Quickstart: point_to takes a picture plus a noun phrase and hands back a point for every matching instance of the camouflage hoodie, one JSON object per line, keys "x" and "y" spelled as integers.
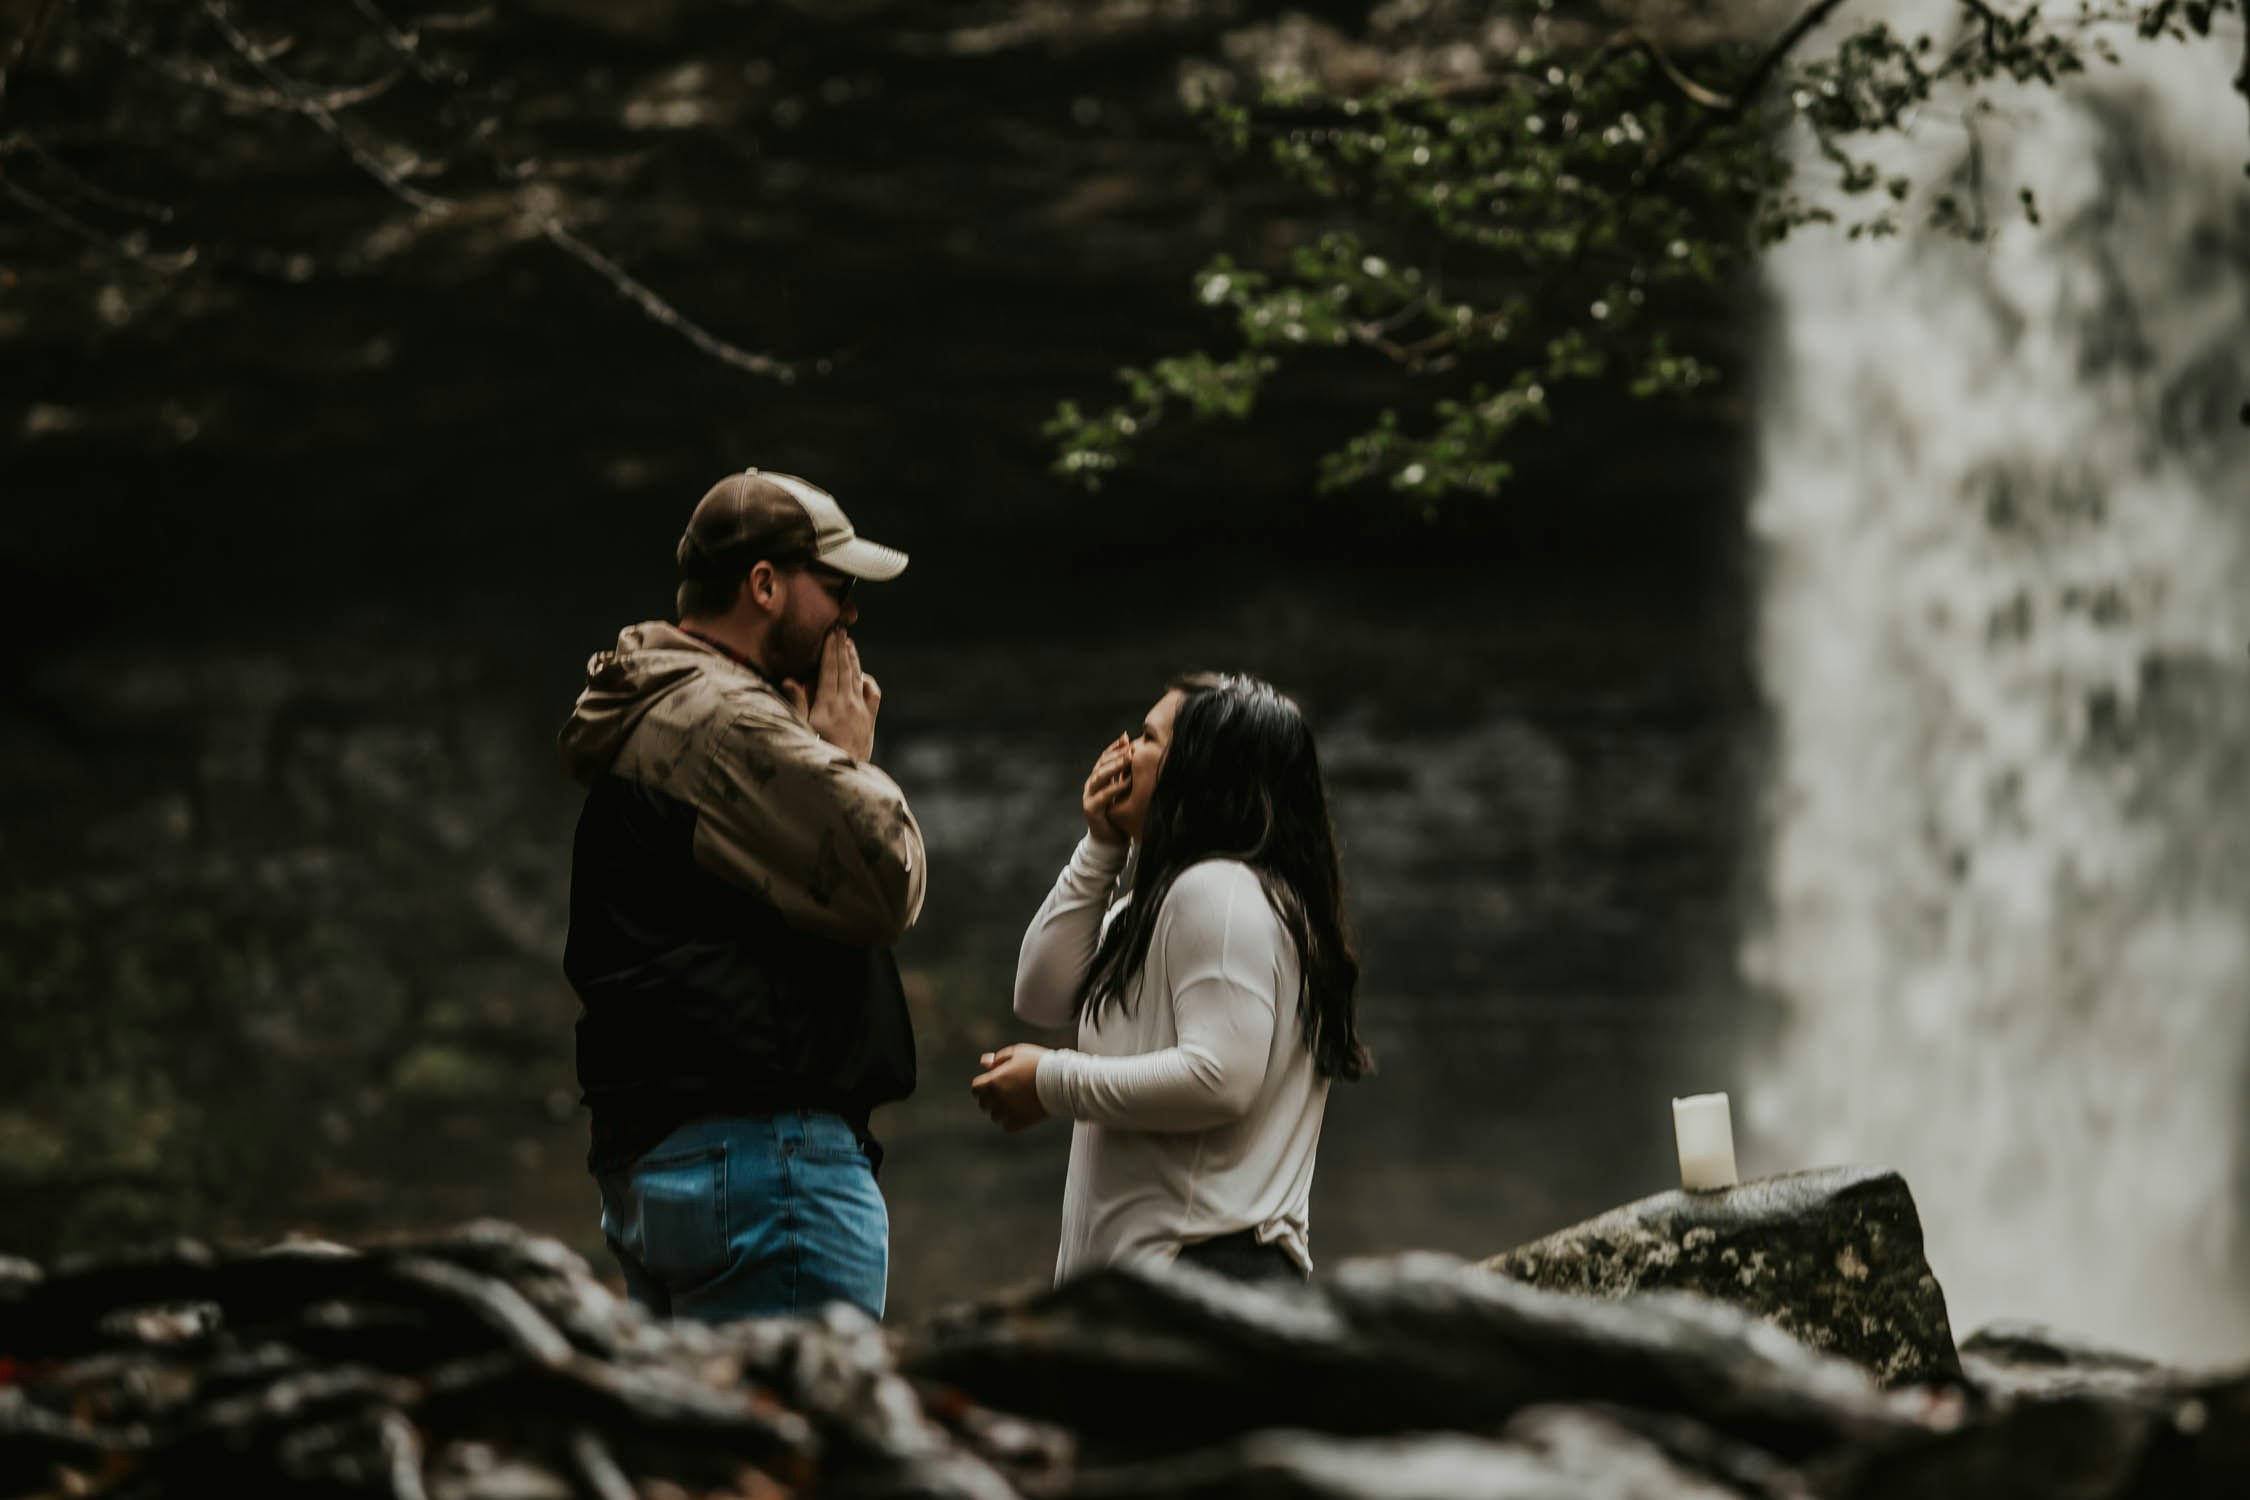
{"x": 827, "y": 841}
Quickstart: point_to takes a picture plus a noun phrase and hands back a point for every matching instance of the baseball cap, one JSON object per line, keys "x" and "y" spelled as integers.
{"x": 754, "y": 514}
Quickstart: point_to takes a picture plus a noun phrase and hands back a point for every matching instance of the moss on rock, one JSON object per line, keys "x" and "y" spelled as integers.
{"x": 1832, "y": 1256}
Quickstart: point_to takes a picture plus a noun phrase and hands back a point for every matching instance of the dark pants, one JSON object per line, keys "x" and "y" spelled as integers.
{"x": 1240, "y": 1256}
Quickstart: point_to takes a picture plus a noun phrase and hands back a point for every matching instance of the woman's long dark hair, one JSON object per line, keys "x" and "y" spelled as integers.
{"x": 1241, "y": 781}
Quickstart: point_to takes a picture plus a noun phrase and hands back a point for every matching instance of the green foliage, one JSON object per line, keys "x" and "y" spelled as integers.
{"x": 1092, "y": 446}
{"x": 1558, "y": 222}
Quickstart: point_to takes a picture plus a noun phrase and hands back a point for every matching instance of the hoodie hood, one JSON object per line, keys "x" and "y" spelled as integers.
{"x": 650, "y": 662}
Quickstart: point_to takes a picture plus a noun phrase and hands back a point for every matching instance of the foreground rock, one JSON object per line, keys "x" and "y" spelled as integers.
{"x": 2057, "y": 1417}
{"x": 474, "y": 1366}
{"x": 1833, "y": 1257}
{"x": 2013, "y": 1359}
{"x": 1549, "y": 1453}
{"x": 1140, "y": 1362}
{"x": 1420, "y": 1377}
{"x": 485, "y": 1364}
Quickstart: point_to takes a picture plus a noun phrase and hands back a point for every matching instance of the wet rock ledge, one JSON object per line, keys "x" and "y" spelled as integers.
{"x": 485, "y": 1364}
{"x": 1832, "y": 1256}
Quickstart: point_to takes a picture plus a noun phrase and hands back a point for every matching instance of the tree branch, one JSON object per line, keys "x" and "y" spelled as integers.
{"x": 1626, "y": 43}
{"x": 1470, "y": 91}
{"x": 17, "y": 49}
{"x": 1746, "y": 92}
{"x": 82, "y": 186}
{"x": 552, "y": 229}
{"x": 116, "y": 249}
{"x": 406, "y": 44}
{"x": 201, "y": 75}
{"x": 663, "y": 313}
{"x": 313, "y": 110}
{"x": 287, "y": 94}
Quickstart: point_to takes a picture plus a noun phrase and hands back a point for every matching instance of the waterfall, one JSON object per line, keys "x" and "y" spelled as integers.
{"x": 2004, "y": 521}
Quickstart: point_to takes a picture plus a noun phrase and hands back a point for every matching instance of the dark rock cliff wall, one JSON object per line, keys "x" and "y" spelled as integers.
{"x": 945, "y": 217}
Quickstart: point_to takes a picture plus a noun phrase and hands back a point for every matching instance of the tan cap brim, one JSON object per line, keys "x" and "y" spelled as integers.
{"x": 858, "y": 557}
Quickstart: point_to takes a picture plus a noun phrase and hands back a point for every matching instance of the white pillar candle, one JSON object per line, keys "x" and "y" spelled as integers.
{"x": 1706, "y": 1138}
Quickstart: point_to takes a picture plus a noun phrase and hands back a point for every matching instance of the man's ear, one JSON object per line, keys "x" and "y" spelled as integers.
{"x": 762, "y": 585}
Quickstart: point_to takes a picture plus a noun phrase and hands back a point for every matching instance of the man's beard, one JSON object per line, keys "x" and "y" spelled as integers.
{"x": 797, "y": 653}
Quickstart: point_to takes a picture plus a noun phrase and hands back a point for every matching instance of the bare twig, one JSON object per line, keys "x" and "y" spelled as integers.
{"x": 93, "y": 192}
{"x": 552, "y": 229}
{"x": 475, "y": 19}
{"x": 406, "y": 44}
{"x": 663, "y": 313}
{"x": 1627, "y": 43}
{"x": 1376, "y": 333}
{"x": 1272, "y": 120}
{"x": 628, "y": 286}
{"x": 201, "y": 75}
{"x": 1377, "y": 337}
{"x": 313, "y": 110}
{"x": 285, "y": 93}
{"x": 168, "y": 265}
{"x": 1268, "y": 118}
{"x": 1746, "y": 92}
{"x": 29, "y": 33}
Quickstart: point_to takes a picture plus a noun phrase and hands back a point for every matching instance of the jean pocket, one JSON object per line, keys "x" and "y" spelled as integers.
{"x": 678, "y": 1215}
{"x": 829, "y": 1138}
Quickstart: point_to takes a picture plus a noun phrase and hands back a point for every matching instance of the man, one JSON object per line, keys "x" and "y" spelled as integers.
{"x": 740, "y": 872}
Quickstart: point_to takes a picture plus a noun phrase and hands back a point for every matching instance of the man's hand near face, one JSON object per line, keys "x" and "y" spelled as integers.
{"x": 844, "y": 701}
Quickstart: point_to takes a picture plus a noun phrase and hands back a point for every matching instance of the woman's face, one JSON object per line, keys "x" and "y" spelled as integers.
{"x": 1130, "y": 811}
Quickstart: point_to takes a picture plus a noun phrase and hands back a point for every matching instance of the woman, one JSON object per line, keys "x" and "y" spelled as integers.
{"x": 1214, "y": 1002}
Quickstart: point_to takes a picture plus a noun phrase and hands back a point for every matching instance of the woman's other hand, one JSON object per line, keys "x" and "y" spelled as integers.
{"x": 1111, "y": 779}
{"x": 1008, "y": 1088}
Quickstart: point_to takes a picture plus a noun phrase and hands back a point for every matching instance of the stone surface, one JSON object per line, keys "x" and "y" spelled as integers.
{"x": 482, "y": 1363}
{"x": 1555, "y": 1454}
{"x": 1145, "y": 1363}
{"x": 2017, "y": 1358}
{"x": 477, "y": 1364}
{"x": 1419, "y": 1376}
{"x": 2175, "y": 1437}
{"x": 1831, "y": 1256}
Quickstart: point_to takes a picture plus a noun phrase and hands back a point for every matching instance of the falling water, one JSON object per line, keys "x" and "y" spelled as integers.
{"x": 2005, "y": 518}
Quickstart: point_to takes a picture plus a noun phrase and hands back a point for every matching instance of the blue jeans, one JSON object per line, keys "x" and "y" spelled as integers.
{"x": 750, "y": 1216}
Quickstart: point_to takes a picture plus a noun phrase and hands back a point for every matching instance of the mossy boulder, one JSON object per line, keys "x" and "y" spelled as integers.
{"x": 1831, "y": 1256}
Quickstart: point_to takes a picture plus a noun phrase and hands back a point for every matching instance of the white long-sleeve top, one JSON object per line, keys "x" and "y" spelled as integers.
{"x": 1197, "y": 1106}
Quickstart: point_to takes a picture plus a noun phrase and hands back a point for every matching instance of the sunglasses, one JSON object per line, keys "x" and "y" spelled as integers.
{"x": 838, "y": 586}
